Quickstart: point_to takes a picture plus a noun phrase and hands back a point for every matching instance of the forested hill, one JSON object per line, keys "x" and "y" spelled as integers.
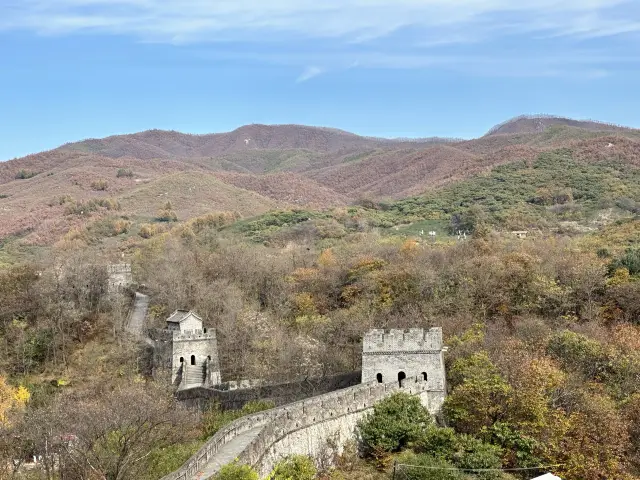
{"x": 292, "y": 255}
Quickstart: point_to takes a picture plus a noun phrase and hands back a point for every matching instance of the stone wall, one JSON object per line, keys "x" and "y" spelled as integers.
{"x": 319, "y": 426}
{"x": 279, "y": 394}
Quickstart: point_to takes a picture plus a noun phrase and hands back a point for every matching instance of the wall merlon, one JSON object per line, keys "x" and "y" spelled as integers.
{"x": 413, "y": 339}
{"x": 193, "y": 335}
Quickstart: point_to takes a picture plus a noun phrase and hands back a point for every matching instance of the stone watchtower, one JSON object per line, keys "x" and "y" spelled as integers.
{"x": 194, "y": 352}
{"x": 395, "y": 355}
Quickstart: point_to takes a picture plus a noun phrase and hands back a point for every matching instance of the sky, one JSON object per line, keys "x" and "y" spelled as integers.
{"x": 76, "y": 69}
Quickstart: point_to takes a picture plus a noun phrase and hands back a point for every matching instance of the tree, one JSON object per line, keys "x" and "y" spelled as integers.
{"x": 395, "y": 421}
{"x": 110, "y": 433}
{"x": 11, "y": 398}
{"x": 480, "y": 395}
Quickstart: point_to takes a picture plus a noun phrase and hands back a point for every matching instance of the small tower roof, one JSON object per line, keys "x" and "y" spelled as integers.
{"x": 180, "y": 316}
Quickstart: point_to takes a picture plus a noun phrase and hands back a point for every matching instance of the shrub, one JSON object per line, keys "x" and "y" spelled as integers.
{"x": 425, "y": 467}
{"x": 124, "y": 172}
{"x": 296, "y": 467}
{"x": 99, "y": 185}
{"x": 166, "y": 214}
{"x": 630, "y": 260}
{"x": 395, "y": 422}
{"x": 85, "y": 208}
{"x": 110, "y": 227}
{"x": 25, "y": 174}
{"x": 234, "y": 471}
{"x": 149, "y": 230}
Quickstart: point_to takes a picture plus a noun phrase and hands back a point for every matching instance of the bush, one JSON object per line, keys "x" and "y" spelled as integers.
{"x": 149, "y": 230}
{"x": 234, "y": 471}
{"x": 85, "y": 208}
{"x": 110, "y": 227}
{"x": 296, "y": 467}
{"x": 166, "y": 214}
{"x": 395, "y": 422}
{"x": 99, "y": 185}
{"x": 25, "y": 174}
{"x": 630, "y": 260}
{"x": 124, "y": 172}
{"x": 425, "y": 467}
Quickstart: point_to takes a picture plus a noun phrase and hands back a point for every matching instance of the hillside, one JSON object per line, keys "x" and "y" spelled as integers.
{"x": 292, "y": 251}
{"x": 260, "y": 167}
{"x": 539, "y": 123}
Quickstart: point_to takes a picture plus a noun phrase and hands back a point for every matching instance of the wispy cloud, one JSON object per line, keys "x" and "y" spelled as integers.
{"x": 309, "y": 73}
{"x": 355, "y": 20}
{"x": 474, "y": 36}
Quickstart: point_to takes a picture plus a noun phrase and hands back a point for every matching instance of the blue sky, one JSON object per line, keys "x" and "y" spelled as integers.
{"x": 74, "y": 69}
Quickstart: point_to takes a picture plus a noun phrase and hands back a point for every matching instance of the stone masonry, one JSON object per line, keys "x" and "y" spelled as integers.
{"x": 396, "y": 360}
{"x": 394, "y": 355}
{"x": 186, "y": 350}
{"x": 120, "y": 276}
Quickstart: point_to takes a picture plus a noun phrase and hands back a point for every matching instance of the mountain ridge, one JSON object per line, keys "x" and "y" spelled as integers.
{"x": 259, "y": 167}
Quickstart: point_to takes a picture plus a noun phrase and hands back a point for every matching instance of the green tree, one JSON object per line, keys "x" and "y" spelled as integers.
{"x": 395, "y": 422}
{"x": 480, "y": 397}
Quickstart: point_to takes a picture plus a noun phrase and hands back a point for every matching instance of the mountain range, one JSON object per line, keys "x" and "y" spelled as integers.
{"x": 257, "y": 168}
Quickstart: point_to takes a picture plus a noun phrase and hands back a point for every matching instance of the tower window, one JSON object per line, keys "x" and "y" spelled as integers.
{"x": 424, "y": 376}
{"x": 379, "y": 377}
{"x": 193, "y": 359}
{"x": 181, "y": 359}
{"x": 401, "y": 377}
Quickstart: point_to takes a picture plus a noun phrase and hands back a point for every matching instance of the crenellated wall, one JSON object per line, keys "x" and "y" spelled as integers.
{"x": 318, "y": 427}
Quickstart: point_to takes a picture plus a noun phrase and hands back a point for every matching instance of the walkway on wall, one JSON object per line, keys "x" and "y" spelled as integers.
{"x": 135, "y": 324}
{"x": 228, "y": 453}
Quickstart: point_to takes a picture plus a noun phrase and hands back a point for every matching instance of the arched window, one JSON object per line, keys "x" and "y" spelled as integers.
{"x": 193, "y": 359}
{"x": 401, "y": 377}
{"x": 181, "y": 359}
{"x": 424, "y": 376}
{"x": 379, "y": 377}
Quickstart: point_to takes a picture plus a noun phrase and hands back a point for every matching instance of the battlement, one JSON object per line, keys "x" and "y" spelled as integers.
{"x": 396, "y": 340}
{"x": 119, "y": 268}
{"x": 194, "y": 335}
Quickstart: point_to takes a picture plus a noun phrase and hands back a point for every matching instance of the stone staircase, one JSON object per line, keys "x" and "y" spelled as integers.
{"x": 193, "y": 376}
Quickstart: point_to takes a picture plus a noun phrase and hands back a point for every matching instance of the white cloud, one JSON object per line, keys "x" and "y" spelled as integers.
{"x": 343, "y": 34}
{"x": 309, "y": 73}
{"x": 353, "y": 20}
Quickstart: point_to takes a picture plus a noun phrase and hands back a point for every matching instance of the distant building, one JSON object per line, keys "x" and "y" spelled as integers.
{"x": 520, "y": 233}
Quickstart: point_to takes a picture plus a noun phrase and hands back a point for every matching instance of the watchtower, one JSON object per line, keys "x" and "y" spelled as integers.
{"x": 394, "y": 355}
{"x": 120, "y": 276}
{"x": 194, "y": 355}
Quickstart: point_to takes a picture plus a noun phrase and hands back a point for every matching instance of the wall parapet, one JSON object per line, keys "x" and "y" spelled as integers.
{"x": 194, "y": 335}
{"x": 280, "y": 422}
{"x": 412, "y": 340}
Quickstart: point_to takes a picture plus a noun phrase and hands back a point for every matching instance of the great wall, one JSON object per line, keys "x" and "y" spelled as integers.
{"x": 319, "y": 427}
{"x": 410, "y": 361}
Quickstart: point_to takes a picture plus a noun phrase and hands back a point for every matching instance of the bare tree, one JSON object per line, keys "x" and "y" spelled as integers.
{"x": 106, "y": 435}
